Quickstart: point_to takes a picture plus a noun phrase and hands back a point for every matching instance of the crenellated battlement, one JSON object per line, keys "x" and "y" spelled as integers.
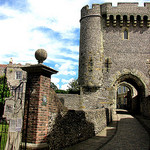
{"x": 95, "y": 10}
{"x": 125, "y": 13}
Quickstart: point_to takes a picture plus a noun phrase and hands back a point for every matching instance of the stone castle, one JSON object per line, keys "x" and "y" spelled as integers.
{"x": 114, "y": 50}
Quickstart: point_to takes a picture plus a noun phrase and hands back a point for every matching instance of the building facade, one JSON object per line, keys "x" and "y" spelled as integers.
{"x": 14, "y": 73}
{"x": 122, "y": 97}
{"x": 114, "y": 49}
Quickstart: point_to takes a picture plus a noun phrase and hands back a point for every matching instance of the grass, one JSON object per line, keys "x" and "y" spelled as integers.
{"x": 3, "y": 135}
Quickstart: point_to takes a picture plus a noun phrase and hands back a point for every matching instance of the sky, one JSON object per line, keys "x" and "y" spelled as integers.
{"x": 28, "y": 25}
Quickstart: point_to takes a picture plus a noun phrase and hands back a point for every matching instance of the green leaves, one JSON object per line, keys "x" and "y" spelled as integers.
{"x": 54, "y": 87}
{"x": 74, "y": 87}
{"x": 4, "y": 90}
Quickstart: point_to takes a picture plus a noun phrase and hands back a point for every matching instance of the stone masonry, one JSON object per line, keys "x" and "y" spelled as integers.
{"x": 47, "y": 123}
{"x": 114, "y": 48}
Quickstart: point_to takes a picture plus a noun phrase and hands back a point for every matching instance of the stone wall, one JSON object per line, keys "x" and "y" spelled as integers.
{"x": 74, "y": 126}
{"x": 71, "y": 101}
{"x": 146, "y": 107}
{"x": 67, "y": 126}
{"x": 11, "y": 74}
{"x": 107, "y": 58}
{"x": 2, "y": 69}
{"x": 75, "y": 101}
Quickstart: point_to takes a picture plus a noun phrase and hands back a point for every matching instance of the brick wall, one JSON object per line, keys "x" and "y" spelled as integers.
{"x": 37, "y": 98}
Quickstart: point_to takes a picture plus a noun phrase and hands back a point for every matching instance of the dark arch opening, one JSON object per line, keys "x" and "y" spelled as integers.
{"x": 118, "y": 18}
{"x": 145, "y": 18}
{"x": 132, "y": 19}
{"x": 138, "y": 20}
{"x": 138, "y": 85}
{"x": 125, "y": 20}
{"x": 111, "y": 19}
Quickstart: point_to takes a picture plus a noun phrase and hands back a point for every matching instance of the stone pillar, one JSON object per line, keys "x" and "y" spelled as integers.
{"x": 35, "y": 124}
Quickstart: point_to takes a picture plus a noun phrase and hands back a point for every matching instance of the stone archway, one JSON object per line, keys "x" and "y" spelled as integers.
{"x": 132, "y": 80}
{"x": 125, "y": 93}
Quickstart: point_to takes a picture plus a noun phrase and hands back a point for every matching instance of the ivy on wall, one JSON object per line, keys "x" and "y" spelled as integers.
{"x": 4, "y": 90}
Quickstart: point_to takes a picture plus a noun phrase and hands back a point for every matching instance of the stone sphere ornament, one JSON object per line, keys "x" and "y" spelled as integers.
{"x": 41, "y": 55}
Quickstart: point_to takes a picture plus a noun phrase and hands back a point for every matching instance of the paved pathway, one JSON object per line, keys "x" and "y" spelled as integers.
{"x": 130, "y": 135}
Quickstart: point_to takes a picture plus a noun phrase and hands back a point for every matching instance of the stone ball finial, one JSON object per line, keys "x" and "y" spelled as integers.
{"x": 41, "y": 55}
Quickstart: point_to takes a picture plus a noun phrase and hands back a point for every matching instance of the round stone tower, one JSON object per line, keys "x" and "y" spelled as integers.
{"x": 91, "y": 47}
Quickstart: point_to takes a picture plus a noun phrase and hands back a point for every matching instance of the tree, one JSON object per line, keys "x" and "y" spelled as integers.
{"x": 54, "y": 87}
{"x": 74, "y": 87}
{"x": 4, "y": 89}
{"x": 4, "y": 92}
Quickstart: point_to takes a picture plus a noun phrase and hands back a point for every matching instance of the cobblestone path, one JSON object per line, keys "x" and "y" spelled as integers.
{"x": 130, "y": 135}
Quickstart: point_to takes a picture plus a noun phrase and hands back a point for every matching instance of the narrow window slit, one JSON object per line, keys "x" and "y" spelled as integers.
{"x": 125, "y": 34}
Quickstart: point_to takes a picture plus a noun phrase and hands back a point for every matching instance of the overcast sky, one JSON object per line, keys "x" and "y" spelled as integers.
{"x": 28, "y": 25}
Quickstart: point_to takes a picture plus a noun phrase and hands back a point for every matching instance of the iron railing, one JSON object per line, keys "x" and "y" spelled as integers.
{"x": 3, "y": 132}
{"x": 17, "y": 94}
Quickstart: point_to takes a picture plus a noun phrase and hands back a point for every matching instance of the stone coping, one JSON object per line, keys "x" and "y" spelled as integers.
{"x": 32, "y": 145}
{"x": 39, "y": 68}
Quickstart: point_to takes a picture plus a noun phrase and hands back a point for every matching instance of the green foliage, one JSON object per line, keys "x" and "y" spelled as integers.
{"x": 54, "y": 87}
{"x": 4, "y": 132}
{"x": 61, "y": 91}
{"x": 4, "y": 90}
{"x": 74, "y": 87}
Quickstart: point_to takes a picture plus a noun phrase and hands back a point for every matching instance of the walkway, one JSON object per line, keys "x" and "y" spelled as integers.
{"x": 126, "y": 133}
{"x": 130, "y": 135}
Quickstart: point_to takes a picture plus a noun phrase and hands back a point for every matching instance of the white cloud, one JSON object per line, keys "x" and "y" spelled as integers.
{"x": 114, "y": 2}
{"x": 18, "y": 36}
{"x": 67, "y": 68}
{"x": 64, "y": 87}
{"x": 61, "y": 16}
{"x": 56, "y": 66}
{"x": 67, "y": 81}
{"x": 73, "y": 73}
{"x": 55, "y": 80}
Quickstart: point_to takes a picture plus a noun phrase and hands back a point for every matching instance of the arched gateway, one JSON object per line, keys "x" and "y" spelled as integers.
{"x": 114, "y": 51}
{"x": 133, "y": 82}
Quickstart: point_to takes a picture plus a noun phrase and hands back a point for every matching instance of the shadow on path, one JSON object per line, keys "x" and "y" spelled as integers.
{"x": 98, "y": 141}
{"x": 124, "y": 133}
{"x": 130, "y": 134}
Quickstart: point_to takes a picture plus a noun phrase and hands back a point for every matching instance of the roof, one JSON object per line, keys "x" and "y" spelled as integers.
{"x": 3, "y": 65}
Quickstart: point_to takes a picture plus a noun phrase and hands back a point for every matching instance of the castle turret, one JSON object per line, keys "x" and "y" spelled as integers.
{"x": 91, "y": 47}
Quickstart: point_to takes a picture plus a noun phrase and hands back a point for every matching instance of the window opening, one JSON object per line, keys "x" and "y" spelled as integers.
{"x": 119, "y": 90}
{"x": 124, "y": 89}
{"x": 125, "y": 34}
{"x": 19, "y": 75}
